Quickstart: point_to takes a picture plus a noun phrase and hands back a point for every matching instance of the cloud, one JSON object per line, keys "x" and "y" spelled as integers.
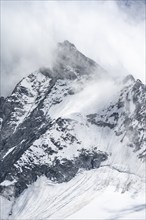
{"x": 102, "y": 30}
{"x": 99, "y": 93}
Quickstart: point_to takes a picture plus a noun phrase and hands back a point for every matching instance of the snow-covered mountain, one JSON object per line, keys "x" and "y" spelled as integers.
{"x": 65, "y": 126}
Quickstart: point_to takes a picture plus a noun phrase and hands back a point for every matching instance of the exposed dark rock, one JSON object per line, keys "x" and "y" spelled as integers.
{"x": 92, "y": 119}
{"x": 60, "y": 170}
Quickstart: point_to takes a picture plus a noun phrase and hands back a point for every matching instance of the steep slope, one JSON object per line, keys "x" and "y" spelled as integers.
{"x": 71, "y": 117}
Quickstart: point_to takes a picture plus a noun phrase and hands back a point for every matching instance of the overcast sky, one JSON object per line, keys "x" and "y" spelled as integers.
{"x": 111, "y": 33}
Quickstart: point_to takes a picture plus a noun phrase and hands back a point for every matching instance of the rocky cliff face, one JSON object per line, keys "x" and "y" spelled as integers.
{"x": 45, "y": 132}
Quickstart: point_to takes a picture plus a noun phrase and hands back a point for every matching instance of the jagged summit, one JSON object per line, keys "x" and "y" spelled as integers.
{"x": 129, "y": 78}
{"x": 66, "y": 44}
{"x": 70, "y": 63}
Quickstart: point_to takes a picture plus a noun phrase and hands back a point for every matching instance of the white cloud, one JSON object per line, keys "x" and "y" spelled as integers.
{"x": 101, "y": 30}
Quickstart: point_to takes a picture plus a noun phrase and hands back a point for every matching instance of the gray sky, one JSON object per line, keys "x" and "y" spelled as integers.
{"x": 112, "y": 34}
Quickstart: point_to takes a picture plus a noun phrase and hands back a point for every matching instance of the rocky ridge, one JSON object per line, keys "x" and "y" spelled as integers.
{"x": 39, "y": 138}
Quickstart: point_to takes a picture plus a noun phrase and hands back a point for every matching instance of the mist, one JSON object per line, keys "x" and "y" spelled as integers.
{"x": 108, "y": 32}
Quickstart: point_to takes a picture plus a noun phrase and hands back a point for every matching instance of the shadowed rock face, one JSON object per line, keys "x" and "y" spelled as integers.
{"x": 60, "y": 171}
{"x": 133, "y": 125}
{"x": 36, "y": 140}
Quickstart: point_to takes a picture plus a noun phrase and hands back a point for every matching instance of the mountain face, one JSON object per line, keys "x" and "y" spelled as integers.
{"x": 71, "y": 117}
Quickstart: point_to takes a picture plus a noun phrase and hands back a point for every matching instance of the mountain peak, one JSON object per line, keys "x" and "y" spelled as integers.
{"x": 128, "y": 78}
{"x": 66, "y": 44}
{"x": 69, "y": 58}
{"x": 64, "y": 120}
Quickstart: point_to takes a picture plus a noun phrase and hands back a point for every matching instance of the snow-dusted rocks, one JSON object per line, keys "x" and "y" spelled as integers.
{"x": 69, "y": 118}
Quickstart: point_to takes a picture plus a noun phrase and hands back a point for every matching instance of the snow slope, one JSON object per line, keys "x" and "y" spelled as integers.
{"x": 102, "y": 193}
